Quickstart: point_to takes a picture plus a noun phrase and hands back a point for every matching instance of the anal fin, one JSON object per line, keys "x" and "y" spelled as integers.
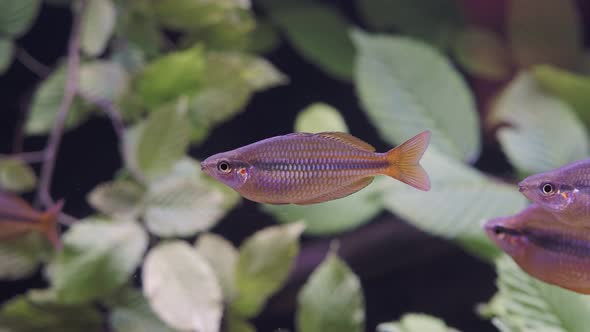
{"x": 340, "y": 192}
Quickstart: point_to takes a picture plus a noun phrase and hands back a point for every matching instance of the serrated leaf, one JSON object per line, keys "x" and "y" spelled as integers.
{"x": 182, "y": 288}
{"x": 264, "y": 263}
{"x": 16, "y": 176}
{"x": 431, "y": 21}
{"x": 406, "y": 86}
{"x": 482, "y": 53}
{"x": 416, "y": 323}
{"x": 459, "y": 201}
{"x": 121, "y": 198}
{"x": 98, "y": 24}
{"x": 17, "y": 16}
{"x": 570, "y": 87}
{"x": 103, "y": 81}
{"x": 525, "y": 304}
{"x": 184, "y": 202}
{"x": 334, "y": 216}
{"x": 170, "y": 76}
{"x": 160, "y": 141}
{"x": 46, "y": 102}
{"x": 23, "y": 314}
{"x": 20, "y": 257}
{"x": 98, "y": 257}
{"x": 332, "y": 299}
{"x": 531, "y": 117}
{"x": 544, "y": 31}
{"x": 319, "y": 117}
{"x": 132, "y": 313}
{"x": 319, "y": 33}
{"x": 223, "y": 258}
{"x": 6, "y": 53}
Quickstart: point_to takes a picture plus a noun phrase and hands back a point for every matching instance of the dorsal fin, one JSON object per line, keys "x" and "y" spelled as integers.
{"x": 348, "y": 139}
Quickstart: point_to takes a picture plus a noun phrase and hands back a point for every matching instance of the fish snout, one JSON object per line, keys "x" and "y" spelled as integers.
{"x": 521, "y": 186}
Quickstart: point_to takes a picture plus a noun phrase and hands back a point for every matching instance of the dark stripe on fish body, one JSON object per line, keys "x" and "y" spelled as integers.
{"x": 559, "y": 244}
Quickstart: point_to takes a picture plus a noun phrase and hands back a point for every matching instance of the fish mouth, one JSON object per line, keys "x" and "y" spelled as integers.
{"x": 521, "y": 187}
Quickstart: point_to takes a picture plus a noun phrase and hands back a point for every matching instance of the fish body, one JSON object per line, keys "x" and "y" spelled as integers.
{"x": 17, "y": 218}
{"x": 564, "y": 192}
{"x": 304, "y": 168}
{"x": 549, "y": 250}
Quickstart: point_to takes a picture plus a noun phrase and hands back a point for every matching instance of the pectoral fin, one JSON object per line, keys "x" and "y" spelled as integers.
{"x": 340, "y": 192}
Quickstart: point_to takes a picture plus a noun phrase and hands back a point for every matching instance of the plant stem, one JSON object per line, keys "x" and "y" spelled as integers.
{"x": 52, "y": 147}
{"x": 28, "y": 157}
{"x": 31, "y": 63}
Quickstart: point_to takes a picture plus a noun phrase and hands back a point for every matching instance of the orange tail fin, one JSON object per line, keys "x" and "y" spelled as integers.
{"x": 48, "y": 224}
{"x": 404, "y": 161}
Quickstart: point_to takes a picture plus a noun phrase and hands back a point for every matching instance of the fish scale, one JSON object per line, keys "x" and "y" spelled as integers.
{"x": 307, "y": 168}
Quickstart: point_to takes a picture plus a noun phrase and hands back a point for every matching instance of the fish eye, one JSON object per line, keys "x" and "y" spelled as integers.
{"x": 223, "y": 166}
{"x": 548, "y": 189}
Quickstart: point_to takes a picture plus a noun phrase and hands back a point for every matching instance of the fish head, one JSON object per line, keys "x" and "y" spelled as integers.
{"x": 551, "y": 190}
{"x": 506, "y": 234}
{"x": 228, "y": 168}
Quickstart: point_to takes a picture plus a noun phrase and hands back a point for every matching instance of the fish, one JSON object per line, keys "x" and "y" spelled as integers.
{"x": 18, "y": 218}
{"x": 309, "y": 168}
{"x": 551, "y": 251}
{"x": 563, "y": 192}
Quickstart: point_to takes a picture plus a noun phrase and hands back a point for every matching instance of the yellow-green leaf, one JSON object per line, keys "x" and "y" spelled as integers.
{"x": 416, "y": 323}
{"x": 16, "y": 176}
{"x": 98, "y": 24}
{"x": 17, "y": 16}
{"x": 6, "y": 52}
{"x": 223, "y": 258}
{"x": 319, "y": 117}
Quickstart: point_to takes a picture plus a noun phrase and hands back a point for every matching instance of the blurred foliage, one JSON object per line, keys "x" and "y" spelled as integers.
{"x": 174, "y": 70}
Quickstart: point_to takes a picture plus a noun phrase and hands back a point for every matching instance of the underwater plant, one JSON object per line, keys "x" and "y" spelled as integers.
{"x": 157, "y": 247}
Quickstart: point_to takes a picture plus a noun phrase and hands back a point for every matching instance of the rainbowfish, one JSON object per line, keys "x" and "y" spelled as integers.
{"x": 552, "y": 251}
{"x": 18, "y": 218}
{"x": 304, "y": 168}
{"x": 564, "y": 192}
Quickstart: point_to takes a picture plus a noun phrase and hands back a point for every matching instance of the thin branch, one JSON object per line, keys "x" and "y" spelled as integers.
{"x": 32, "y": 64}
{"x": 52, "y": 147}
{"x": 28, "y": 157}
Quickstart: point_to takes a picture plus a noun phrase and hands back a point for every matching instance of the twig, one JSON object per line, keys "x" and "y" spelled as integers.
{"x": 55, "y": 136}
{"x": 31, "y": 63}
{"x": 28, "y": 157}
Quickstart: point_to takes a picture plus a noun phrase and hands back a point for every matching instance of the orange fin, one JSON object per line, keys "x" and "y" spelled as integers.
{"x": 404, "y": 162}
{"x": 348, "y": 139}
{"x": 340, "y": 192}
{"x": 48, "y": 224}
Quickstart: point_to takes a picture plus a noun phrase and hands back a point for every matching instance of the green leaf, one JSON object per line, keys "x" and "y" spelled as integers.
{"x": 20, "y": 257}
{"x": 332, "y": 299}
{"x": 416, "y": 323}
{"x": 460, "y": 199}
{"x": 17, "y": 16}
{"x": 184, "y": 203}
{"x": 132, "y": 313}
{"x": 6, "y": 53}
{"x": 332, "y": 217}
{"x": 545, "y": 31}
{"x": 264, "y": 38}
{"x": 137, "y": 24}
{"x": 103, "y": 81}
{"x": 320, "y": 117}
{"x": 157, "y": 143}
{"x": 431, "y": 21}
{"x": 46, "y": 102}
{"x": 223, "y": 258}
{"x": 195, "y": 14}
{"x": 527, "y": 304}
{"x": 121, "y": 198}
{"x": 406, "y": 86}
{"x": 529, "y": 140}
{"x": 319, "y": 33}
{"x": 264, "y": 264}
{"x": 98, "y": 257}
{"x": 231, "y": 34}
{"x": 16, "y": 176}
{"x": 237, "y": 324}
{"x": 482, "y": 53}
{"x": 182, "y": 288}
{"x": 570, "y": 87}
{"x": 98, "y": 24}
{"x": 170, "y": 76}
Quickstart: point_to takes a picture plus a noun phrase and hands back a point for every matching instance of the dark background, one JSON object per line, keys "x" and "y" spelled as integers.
{"x": 402, "y": 269}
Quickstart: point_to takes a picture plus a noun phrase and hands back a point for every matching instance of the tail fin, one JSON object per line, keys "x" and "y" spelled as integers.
{"x": 48, "y": 224}
{"x": 404, "y": 161}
